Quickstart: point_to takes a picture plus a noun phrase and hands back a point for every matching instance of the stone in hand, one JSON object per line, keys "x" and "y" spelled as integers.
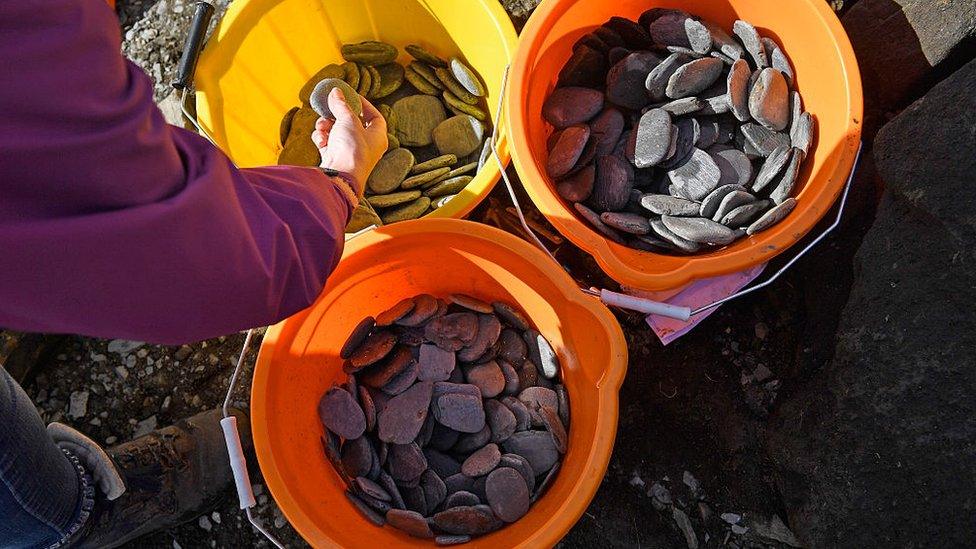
{"x": 319, "y": 98}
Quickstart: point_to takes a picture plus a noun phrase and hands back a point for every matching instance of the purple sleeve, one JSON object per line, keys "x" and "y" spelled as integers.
{"x": 113, "y": 223}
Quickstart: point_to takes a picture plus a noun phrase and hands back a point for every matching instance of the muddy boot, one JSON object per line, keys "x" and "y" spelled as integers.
{"x": 171, "y": 475}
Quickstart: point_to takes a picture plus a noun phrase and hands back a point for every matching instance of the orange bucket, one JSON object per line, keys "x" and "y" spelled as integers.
{"x": 826, "y": 75}
{"x": 299, "y": 360}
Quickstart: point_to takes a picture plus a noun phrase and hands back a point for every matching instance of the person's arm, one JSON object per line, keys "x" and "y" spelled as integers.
{"x": 114, "y": 224}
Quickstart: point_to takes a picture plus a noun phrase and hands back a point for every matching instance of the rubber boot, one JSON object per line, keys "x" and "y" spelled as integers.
{"x": 171, "y": 475}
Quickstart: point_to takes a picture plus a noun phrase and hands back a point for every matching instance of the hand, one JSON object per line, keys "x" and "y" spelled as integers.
{"x": 345, "y": 144}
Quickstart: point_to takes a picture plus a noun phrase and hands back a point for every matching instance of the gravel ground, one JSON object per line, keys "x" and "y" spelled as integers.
{"x": 688, "y": 469}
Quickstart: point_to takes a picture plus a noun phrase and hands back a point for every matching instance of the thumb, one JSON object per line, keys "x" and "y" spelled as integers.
{"x": 340, "y": 109}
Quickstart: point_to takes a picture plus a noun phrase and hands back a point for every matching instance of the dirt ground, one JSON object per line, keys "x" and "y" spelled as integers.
{"x": 689, "y": 468}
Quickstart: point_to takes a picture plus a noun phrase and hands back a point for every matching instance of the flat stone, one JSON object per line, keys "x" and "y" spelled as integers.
{"x": 606, "y": 129}
{"x": 536, "y": 447}
{"x": 697, "y": 176}
{"x": 783, "y": 186}
{"x": 403, "y": 380}
{"x": 459, "y": 135}
{"x": 417, "y": 116}
{"x": 634, "y": 35}
{"x": 341, "y": 414}
{"x": 376, "y": 347}
{"x": 523, "y": 419}
{"x": 653, "y": 138}
{"x": 801, "y": 134}
{"x": 537, "y": 397}
{"x": 773, "y": 216}
{"x": 425, "y": 307}
{"x": 442, "y": 438}
{"x": 470, "y": 442}
{"x": 663, "y": 204}
{"x": 571, "y": 106}
{"x": 459, "y": 482}
{"x": 378, "y": 376}
{"x": 520, "y": 465}
{"x": 732, "y": 201}
{"x": 763, "y": 139}
{"x": 738, "y": 89}
{"x": 371, "y": 489}
{"x": 390, "y": 171}
{"x": 707, "y": 133}
{"x": 392, "y": 199}
{"x": 773, "y": 165}
{"x": 694, "y": 77}
{"x": 434, "y": 489}
{"x": 512, "y": 381}
{"x": 656, "y": 82}
{"x": 387, "y": 483}
{"x": 410, "y": 522}
{"x": 669, "y": 29}
{"x": 742, "y": 215}
{"x": 452, "y": 332}
{"x": 467, "y": 78}
{"x": 319, "y": 97}
{"x": 626, "y": 222}
{"x": 778, "y": 59}
{"x": 699, "y": 229}
{"x": 753, "y": 43}
{"x": 487, "y": 377}
{"x": 546, "y": 482}
{"x": 435, "y": 363}
{"x": 542, "y": 354}
{"x": 733, "y": 165}
{"x": 685, "y": 105}
{"x": 482, "y": 461}
{"x": 614, "y": 181}
{"x": 369, "y": 408}
{"x": 552, "y": 423}
{"x": 357, "y": 457}
{"x": 587, "y": 67}
{"x": 500, "y": 419}
{"x": 699, "y": 37}
{"x": 593, "y": 219}
{"x": 476, "y": 520}
{"x": 625, "y": 81}
{"x": 461, "y": 498}
{"x": 684, "y": 136}
{"x": 404, "y": 415}
{"x": 508, "y": 496}
{"x": 579, "y": 186}
{"x": 683, "y": 244}
{"x": 489, "y": 329}
{"x": 406, "y": 462}
{"x": 445, "y": 540}
{"x": 364, "y": 509}
{"x": 413, "y": 498}
{"x": 357, "y": 337}
{"x": 461, "y": 412}
{"x": 769, "y": 100}
{"x": 722, "y": 42}
{"x": 401, "y": 309}
{"x": 512, "y": 347}
{"x": 562, "y": 397}
{"x": 567, "y": 150}
{"x": 711, "y": 202}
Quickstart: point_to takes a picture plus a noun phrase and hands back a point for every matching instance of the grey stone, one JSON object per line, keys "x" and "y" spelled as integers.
{"x": 657, "y": 80}
{"x": 733, "y": 165}
{"x": 653, "y": 138}
{"x": 699, "y": 229}
{"x": 722, "y": 42}
{"x": 773, "y": 165}
{"x": 784, "y": 185}
{"x": 626, "y": 222}
{"x": 711, "y": 202}
{"x": 732, "y": 201}
{"x": 752, "y": 42}
{"x": 663, "y": 204}
{"x": 740, "y": 216}
{"x": 666, "y": 234}
{"x": 685, "y": 105}
{"x": 594, "y": 219}
{"x": 769, "y": 100}
{"x": 773, "y": 216}
{"x": 684, "y": 524}
{"x": 319, "y": 98}
{"x": 738, "y": 89}
{"x": 764, "y": 140}
{"x": 699, "y": 37}
{"x": 778, "y": 59}
{"x": 694, "y": 77}
{"x": 801, "y": 135}
{"x": 697, "y": 177}
{"x": 685, "y": 135}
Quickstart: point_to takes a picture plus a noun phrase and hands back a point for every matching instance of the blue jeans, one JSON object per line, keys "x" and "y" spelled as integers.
{"x": 45, "y": 494}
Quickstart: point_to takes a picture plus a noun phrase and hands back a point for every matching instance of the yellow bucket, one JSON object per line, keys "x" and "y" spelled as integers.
{"x": 263, "y": 51}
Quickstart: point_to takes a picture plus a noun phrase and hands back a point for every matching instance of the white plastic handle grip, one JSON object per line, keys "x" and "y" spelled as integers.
{"x": 237, "y": 462}
{"x": 646, "y": 306}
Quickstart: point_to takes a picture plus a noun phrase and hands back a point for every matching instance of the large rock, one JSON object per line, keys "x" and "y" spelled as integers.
{"x": 899, "y": 42}
{"x": 881, "y": 448}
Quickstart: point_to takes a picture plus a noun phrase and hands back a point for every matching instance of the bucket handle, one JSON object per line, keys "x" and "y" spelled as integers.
{"x": 641, "y": 304}
{"x": 194, "y": 43}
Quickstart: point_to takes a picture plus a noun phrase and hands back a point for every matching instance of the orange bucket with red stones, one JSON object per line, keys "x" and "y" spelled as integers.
{"x": 827, "y": 77}
{"x": 299, "y": 361}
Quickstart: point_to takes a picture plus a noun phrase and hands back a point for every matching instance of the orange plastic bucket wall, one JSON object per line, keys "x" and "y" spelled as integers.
{"x": 299, "y": 361}
{"x": 826, "y": 76}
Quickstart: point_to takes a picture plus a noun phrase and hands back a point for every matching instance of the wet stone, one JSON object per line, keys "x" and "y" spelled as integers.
{"x": 404, "y": 415}
{"x": 508, "y": 496}
{"x": 773, "y": 216}
{"x": 469, "y": 521}
{"x": 562, "y": 398}
{"x": 699, "y": 229}
{"x": 487, "y": 377}
{"x": 537, "y": 397}
{"x": 388, "y": 484}
{"x": 656, "y": 82}
{"x": 536, "y": 447}
{"x": 570, "y": 106}
{"x": 482, "y": 461}
{"x": 633, "y": 34}
{"x": 626, "y": 222}
{"x": 461, "y": 498}
{"x": 697, "y": 176}
{"x": 410, "y": 522}
{"x": 686, "y": 132}
{"x": 610, "y": 37}
{"x": 500, "y": 420}
{"x": 371, "y": 489}
{"x": 512, "y": 382}
{"x": 341, "y": 414}
{"x": 694, "y": 77}
{"x": 528, "y": 373}
{"x": 567, "y": 150}
{"x": 461, "y": 412}
{"x": 546, "y": 482}
{"x": 521, "y": 465}
{"x": 614, "y": 181}
{"x": 426, "y": 431}
{"x": 552, "y": 423}
{"x": 413, "y": 498}
{"x": 615, "y": 55}
{"x": 512, "y": 348}
{"x": 625, "y": 81}
{"x": 452, "y": 332}
{"x": 606, "y": 129}
{"x": 417, "y": 116}
{"x": 403, "y": 380}
{"x": 587, "y": 67}
{"x": 722, "y": 42}
{"x": 435, "y": 363}
{"x": 708, "y": 133}
{"x": 444, "y": 388}
{"x": 753, "y": 44}
{"x": 732, "y": 201}
{"x": 459, "y": 482}
{"x": 769, "y": 100}
{"x": 653, "y": 136}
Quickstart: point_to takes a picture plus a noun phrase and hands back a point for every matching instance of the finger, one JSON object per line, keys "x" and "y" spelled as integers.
{"x": 320, "y": 139}
{"x": 324, "y": 124}
{"x": 339, "y": 107}
{"x": 370, "y": 113}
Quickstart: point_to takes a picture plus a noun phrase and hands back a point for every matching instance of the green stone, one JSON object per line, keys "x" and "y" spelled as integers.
{"x": 390, "y": 171}
{"x": 391, "y": 78}
{"x": 411, "y": 210}
{"x": 443, "y": 161}
{"x": 285, "y": 127}
{"x": 420, "y": 54}
{"x": 393, "y": 199}
{"x": 448, "y": 186}
{"x": 421, "y": 179}
{"x": 417, "y": 116}
{"x": 459, "y": 135}
{"x": 363, "y": 216}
